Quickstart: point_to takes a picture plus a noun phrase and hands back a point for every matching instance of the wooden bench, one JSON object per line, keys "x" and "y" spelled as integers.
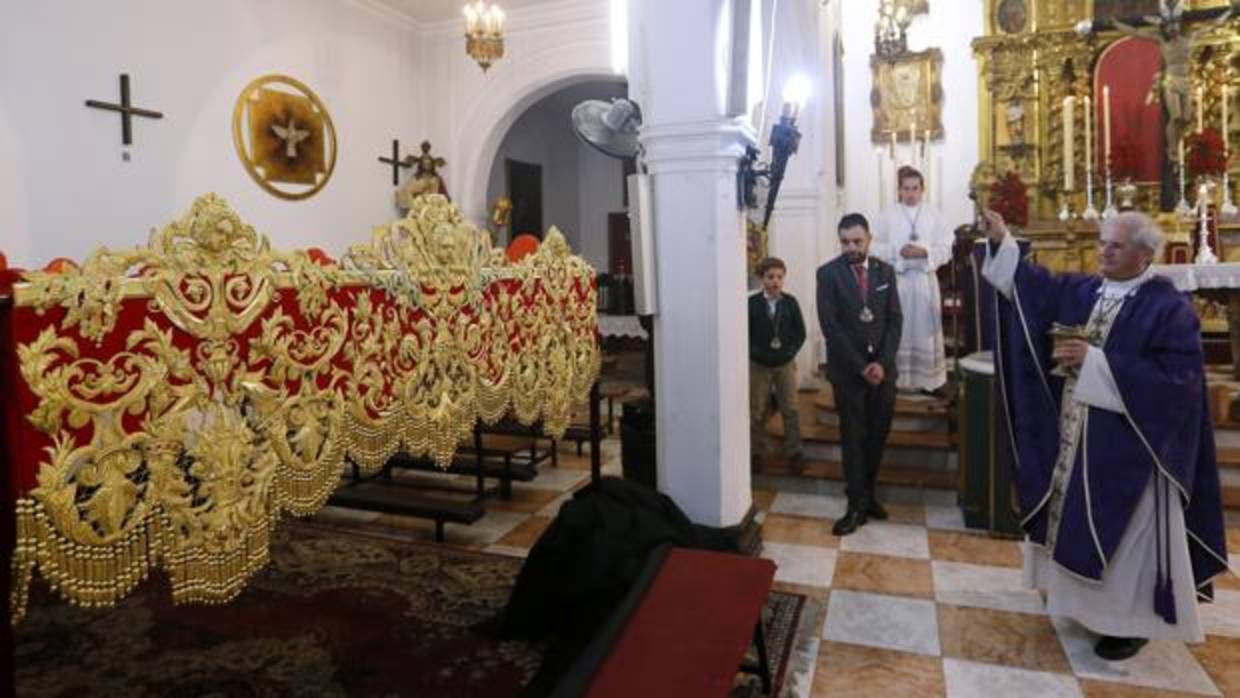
{"x": 405, "y": 501}
{"x": 498, "y": 462}
{"x": 683, "y": 630}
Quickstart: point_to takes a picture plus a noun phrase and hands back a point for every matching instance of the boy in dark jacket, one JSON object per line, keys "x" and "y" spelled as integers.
{"x": 776, "y": 333}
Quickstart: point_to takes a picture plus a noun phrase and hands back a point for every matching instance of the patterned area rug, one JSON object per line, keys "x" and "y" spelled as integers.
{"x": 337, "y": 613}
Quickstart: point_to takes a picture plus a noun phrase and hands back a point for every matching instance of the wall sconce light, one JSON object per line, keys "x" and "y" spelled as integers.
{"x": 785, "y": 138}
{"x": 484, "y": 32}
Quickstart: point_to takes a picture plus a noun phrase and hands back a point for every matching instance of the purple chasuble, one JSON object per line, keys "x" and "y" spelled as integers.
{"x": 1154, "y": 353}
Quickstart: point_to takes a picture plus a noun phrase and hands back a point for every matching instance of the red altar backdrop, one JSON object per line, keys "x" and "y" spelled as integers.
{"x": 173, "y": 402}
{"x": 1129, "y": 67}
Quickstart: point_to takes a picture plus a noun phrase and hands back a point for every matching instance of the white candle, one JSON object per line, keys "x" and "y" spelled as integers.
{"x": 1226, "y": 123}
{"x": 1089, "y": 138}
{"x": 882, "y": 187}
{"x": 1069, "y": 104}
{"x": 1201, "y": 109}
{"x": 912, "y": 140}
{"x": 1106, "y": 125}
{"x": 893, "y": 146}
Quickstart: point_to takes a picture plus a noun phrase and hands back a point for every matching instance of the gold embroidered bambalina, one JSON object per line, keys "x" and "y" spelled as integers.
{"x": 194, "y": 390}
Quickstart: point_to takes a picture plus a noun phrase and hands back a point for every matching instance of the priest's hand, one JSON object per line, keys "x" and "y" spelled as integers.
{"x": 1070, "y": 353}
{"x": 996, "y": 229}
{"x": 873, "y": 373}
{"x": 911, "y": 251}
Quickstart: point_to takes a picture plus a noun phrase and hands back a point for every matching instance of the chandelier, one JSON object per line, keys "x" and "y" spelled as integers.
{"x": 484, "y": 32}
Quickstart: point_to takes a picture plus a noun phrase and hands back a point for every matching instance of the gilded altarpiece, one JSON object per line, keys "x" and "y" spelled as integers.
{"x": 1030, "y": 58}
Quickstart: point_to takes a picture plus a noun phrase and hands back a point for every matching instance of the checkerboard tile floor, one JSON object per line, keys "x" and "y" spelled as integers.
{"x": 914, "y": 606}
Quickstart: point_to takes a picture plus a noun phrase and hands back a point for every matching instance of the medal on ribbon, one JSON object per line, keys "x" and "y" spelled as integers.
{"x": 775, "y": 343}
{"x": 866, "y": 315}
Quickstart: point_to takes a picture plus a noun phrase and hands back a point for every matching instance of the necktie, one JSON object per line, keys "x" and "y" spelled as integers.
{"x": 862, "y": 282}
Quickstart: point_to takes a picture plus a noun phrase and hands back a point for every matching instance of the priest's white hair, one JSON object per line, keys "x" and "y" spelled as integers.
{"x": 1141, "y": 229}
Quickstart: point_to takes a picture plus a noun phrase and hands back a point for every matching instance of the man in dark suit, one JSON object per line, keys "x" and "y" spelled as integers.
{"x": 859, "y": 312}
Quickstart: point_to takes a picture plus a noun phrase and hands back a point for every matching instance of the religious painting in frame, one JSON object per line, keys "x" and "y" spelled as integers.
{"x": 1012, "y": 16}
{"x": 284, "y": 136}
{"x": 906, "y": 96}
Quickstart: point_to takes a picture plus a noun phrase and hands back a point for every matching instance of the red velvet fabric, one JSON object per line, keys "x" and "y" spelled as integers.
{"x": 26, "y": 446}
{"x": 1129, "y": 67}
{"x": 692, "y": 629}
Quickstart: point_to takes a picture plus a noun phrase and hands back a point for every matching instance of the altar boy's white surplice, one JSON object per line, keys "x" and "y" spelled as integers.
{"x": 921, "y": 363}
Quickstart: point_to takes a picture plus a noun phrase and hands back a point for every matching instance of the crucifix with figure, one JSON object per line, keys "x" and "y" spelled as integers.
{"x": 1172, "y": 86}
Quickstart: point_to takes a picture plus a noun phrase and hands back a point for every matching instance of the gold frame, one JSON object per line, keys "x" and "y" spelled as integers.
{"x": 252, "y": 163}
{"x": 927, "y": 100}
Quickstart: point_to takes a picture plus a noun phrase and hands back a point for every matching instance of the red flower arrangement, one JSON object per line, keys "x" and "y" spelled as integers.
{"x": 1125, "y": 160}
{"x": 1203, "y": 153}
{"x": 1010, "y": 199}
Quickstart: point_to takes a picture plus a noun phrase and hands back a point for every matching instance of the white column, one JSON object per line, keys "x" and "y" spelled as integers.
{"x": 679, "y": 74}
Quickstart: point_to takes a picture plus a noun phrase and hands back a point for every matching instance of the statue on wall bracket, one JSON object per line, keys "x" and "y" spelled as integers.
{"x": 425, "y": 178}
{"x": 284, "y": 136}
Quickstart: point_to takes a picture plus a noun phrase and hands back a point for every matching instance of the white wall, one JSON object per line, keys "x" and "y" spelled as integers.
{"x": 601, "y": 181}
{"x": 65, "y": 187}
{"x": 950, "y": 26}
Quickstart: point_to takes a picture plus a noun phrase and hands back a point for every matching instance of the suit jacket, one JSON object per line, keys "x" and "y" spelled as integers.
{"x": 762, "y": 329}
{"x": 851, "y": 343}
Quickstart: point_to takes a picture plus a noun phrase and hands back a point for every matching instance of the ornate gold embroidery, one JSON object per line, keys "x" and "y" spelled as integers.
{"x": 254, "y": 374}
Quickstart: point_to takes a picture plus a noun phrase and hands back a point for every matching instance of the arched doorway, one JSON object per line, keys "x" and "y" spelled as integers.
{"x": 555, "y": 179}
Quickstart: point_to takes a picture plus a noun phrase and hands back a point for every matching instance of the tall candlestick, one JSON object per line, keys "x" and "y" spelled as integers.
{"x": 1089, "y": 138}
{"x": 1106, "y": 126}
{"x": 1201, "y": 109}
{"x": 1181, "y": 206}
{"x": 1069, "y": 109}
{"x": 1226, "y": 124}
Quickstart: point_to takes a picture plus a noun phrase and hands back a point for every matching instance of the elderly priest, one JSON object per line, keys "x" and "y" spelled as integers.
{"x": 1115, "y": 467}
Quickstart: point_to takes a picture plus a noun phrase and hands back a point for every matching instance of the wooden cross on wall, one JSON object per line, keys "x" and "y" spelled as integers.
{"x": 395, "y": 162}
{"x": 126, "y": 109}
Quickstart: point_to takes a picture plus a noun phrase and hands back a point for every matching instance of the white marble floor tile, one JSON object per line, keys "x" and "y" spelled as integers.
{"x": 945, "y": 517}
{"x": 485, "y": 531}
{"x": 984, "y": 586}
{"x": 882, "y": 538}
{"x": 877, "y": 620}
{"x": 1162, "y": 664}
{"x": 967, "y": 679}
{"x": 821, "y": 506}
{"x": 799, "y": 679}
{"x": 801, "y": 564}
{"x": 1223, "y": 616}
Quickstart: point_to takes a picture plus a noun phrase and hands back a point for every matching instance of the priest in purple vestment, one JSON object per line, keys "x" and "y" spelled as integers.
{"x": 1115, "y": 466}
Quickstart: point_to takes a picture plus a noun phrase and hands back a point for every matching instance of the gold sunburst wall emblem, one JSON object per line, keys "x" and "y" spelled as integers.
{"x": 284, "y": 136}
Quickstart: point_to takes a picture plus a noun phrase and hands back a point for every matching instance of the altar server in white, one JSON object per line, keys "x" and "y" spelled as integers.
{"x": 913, "y": 237}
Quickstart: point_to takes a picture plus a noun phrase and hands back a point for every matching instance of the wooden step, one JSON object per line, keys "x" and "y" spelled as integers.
{"x": 830, "y": 434}
{"x": 930, "y": 407}
{"x": 893, "y": 475}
